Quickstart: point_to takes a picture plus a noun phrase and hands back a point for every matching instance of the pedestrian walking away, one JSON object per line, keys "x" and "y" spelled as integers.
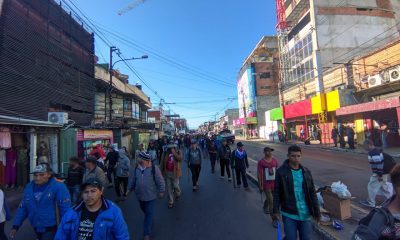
{"x": 266, "y": 171}
{"x": 122, "y": 170}
{"x": 224, "y": 159}
{"x": 110, "y": 161}
{"x": 195, "y": 157}
{"x": 152, "y": 151}
{"x": 44, "y": 202}
{"x": 295, "y": 197}
{"x": 379, "y": 181}
{"x": 94, "y": 171}
{"x": 239, "y": 164}
{"x": 95, "y": 218}
{"x": 74, "y": 179}
{"x": 334, "y": 135}
{"x": 5, "y": 214}
{"x": 147, "y": 182}
{"x": 212, "y": 152}
{"x": 382, "y": 223}
{"x": 171, "y": 169}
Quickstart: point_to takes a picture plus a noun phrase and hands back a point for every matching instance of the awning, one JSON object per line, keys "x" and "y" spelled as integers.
{"x": 302, "y": 108}
{"x": 7, "y": 120}
{"x": 370, "y": 106}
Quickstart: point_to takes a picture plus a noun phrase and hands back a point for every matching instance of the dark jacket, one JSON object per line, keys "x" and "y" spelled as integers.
{"x": 225, "y": 152}
{"x": 239, "y": 162}
{"x": 284, "y": 198}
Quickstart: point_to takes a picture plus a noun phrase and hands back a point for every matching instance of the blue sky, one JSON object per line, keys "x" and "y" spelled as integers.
{"x": 195, "y": 47}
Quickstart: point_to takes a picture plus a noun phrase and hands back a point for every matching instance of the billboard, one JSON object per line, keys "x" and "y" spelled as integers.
{"x": 246, "y": 88}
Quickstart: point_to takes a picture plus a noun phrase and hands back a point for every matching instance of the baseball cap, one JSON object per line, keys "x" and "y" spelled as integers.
{"x": 41, "y": 168}
{"x": 92, "y": 182}
{"x": 268, "y": 149}
{"x": 239, "y": 144}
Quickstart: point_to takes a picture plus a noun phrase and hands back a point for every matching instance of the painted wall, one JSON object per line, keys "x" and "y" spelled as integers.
{"x": 247, "y": 94}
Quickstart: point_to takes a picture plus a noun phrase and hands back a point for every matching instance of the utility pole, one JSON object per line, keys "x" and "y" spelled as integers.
{"x": 112, "y": 49}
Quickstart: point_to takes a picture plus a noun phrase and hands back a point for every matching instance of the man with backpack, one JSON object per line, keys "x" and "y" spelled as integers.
{"x": 239, "y": 164}
{"x": 93, "y": 171}
{"x": 381, "y": 165}
{"x": 110, "y": 161}
{"x": 122, "y": 170}
{"x": 194, "y": 158}
{"x": 147, "y": 181}
{"x": 383, "y": 222}
{"x": 171, "y": 169}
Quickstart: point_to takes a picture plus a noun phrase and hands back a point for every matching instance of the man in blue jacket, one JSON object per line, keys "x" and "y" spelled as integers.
{"x": 95, "y": 218}
{"x": 44, "y": 202}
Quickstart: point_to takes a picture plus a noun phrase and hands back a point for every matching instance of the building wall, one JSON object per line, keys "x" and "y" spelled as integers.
{"x": 265, "y": 103}
{"x": 46, "y": 62}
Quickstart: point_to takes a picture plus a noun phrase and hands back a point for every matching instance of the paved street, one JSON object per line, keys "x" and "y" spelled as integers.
{"x": 216, "y": 211}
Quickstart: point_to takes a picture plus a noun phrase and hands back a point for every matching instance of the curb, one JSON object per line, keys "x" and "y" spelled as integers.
{"x": 320, "y": 231}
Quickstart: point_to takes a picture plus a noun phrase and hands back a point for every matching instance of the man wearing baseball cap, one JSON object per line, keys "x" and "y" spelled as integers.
{"x": 44, "y": 202}
{"x": 95, "y": 218}
{"x": 240, "y": 163}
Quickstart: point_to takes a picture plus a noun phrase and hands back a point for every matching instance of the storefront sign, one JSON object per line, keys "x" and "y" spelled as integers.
{"x": 332, "y": 100}
{"x": 370, "y": 106}
{"x": 302, "y": 108}
{"x": 318, "y": 103}
{"x": 238, "y": 122}
{"x": 276, "y": 114}
{"x": 97, "y": 134}
{"x": 251, "y": 120}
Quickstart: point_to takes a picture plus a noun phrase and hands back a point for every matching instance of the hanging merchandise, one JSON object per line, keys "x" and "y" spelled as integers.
{"x": 11, "y": 169}
{"x": 5, "y": 138}
{"x": 22, "y": 166}
{"x": 3, "y": 163}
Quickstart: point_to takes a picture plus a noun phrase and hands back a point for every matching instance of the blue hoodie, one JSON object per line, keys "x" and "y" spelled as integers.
{"x": 109, "y": 224}
{"x": 42, "y": 213}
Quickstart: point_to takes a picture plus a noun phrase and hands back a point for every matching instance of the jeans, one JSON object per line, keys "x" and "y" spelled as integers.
{"x": 74, "y": 192}
{"x": 2, "y": 234}
{"x": 118, "y": 181}
{"x": 110, "y": 170}
{"x": 49, "y": 234}
{"x": 268, "y": 203}
{"x": 291, "y": 227}
{"x": 195, "y": 169}
{"x": 148, "y": 210}
{"x": 172, "y": 187}
{"x": 224, "y": 164}
{"x": 213, "y": 159}
{"x": 241, "y": 175}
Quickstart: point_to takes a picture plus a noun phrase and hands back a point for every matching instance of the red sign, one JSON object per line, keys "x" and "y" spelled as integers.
{"x": 370, "y": 106}
{"x": 302, "y": 108}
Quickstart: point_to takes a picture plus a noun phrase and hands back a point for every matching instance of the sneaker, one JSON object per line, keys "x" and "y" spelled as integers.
{"x": 222, "y": 178}
{"x": 275, "y": 223}
{"x": 177, "y": 198}
{"x": 230, "y": 179}
{"x": 367, "y": 204}
{"x": 246, "y": 188}
{"x": 194, "y": 188}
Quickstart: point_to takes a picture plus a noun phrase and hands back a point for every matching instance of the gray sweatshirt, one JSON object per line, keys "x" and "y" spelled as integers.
{"x": 97, "y": 173}
{"x": 194, "y": 156}
{"x": 146, "y": 186}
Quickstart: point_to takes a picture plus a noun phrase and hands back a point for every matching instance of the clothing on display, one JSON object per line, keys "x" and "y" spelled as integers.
{"x": 2, "y": 166}
{"x": 11, "y": 168}
{"x": 22, "y": 166}
{"x": 5, "y": 138}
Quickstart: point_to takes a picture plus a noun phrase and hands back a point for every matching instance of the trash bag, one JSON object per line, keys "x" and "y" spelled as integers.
{"x": 341, "y": 190}
{"x": 320, "y": 199}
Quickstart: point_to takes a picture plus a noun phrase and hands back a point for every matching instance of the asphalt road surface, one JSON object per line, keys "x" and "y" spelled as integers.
{"x": 216, "y": 211}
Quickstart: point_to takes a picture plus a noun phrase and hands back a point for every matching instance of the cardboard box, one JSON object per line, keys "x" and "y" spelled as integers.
{"x": 337, "y": 207}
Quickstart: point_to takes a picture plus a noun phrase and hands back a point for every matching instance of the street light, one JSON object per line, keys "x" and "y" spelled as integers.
{"x": 113, "y": 49}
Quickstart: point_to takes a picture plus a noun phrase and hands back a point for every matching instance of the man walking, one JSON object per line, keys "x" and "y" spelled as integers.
{"x": 239, "y": 164}
{"x": 110, "y": 161}
{"x": 295, "y": 197}
{"x": 171, "y": 169}
{"x": 212, "y": 152}
{"x": 147, "y": 182}
{"x": 94, "y": 171}
{"x": 334, "y": 135}
{"x": 378, "y": 182}
{"x": 44, "y": 202}
{"x": 74, "y": 179}
{"x": 94, "y": 218}
{"x": 350, "y": 136}
{"x": 266, "y": 170}
{"x": 224, "y": 159}
{"x": 195, "y": 156}
{"x": 122, "y": 170}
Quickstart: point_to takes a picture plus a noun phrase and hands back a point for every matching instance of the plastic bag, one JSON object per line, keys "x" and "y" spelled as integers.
{"x": 320, "y": 199}
{"x": 341, "y": 190}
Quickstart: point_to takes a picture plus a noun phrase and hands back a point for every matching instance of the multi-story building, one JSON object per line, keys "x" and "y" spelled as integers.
{"x": 47, "y": 79}
{"x": 315, "y": 37}
{"x": 257, "y": 87}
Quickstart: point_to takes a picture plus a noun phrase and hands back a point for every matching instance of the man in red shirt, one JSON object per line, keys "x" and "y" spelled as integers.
{"x": 171, "y": 168}
{"x": 266, "y": 169}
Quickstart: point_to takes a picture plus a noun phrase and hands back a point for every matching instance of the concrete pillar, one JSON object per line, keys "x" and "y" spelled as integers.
{"x": 33, "y": 151}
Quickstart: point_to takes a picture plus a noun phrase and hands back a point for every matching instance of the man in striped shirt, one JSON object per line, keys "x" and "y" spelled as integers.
{"x": 378, "y": 183}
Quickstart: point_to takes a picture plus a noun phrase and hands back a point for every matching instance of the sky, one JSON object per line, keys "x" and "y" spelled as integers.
{"x": 195, "y": 48}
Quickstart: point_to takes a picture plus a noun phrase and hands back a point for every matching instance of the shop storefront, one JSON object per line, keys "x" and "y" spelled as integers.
{"x": 378, "y": 120}
{"x": 88, "y": 138}
{"x": 299, "y": 116}
{"x": 273, "y": 124}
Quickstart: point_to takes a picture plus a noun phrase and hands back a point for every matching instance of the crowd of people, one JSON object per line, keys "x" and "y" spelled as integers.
{"x": 77, "y": 208}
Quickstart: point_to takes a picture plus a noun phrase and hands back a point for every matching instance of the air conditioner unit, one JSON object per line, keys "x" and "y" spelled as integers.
{"x": 394, "y": 74}
{"x": 375, "y": 80}
{"x": 58, "y": 117}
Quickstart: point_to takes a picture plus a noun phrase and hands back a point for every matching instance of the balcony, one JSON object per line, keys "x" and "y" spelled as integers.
{"x": 295, "y": 9}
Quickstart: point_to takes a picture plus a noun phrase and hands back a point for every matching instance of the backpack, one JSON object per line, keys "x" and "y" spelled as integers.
{"x": 372, "y": 226}
{"x": 153, "y": 172}
{"x": 123, "y": 170}
{"x": 388, "y": 163}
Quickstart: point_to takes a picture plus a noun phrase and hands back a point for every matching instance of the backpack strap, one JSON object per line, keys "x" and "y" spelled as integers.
{"x": 153, "y": 172}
